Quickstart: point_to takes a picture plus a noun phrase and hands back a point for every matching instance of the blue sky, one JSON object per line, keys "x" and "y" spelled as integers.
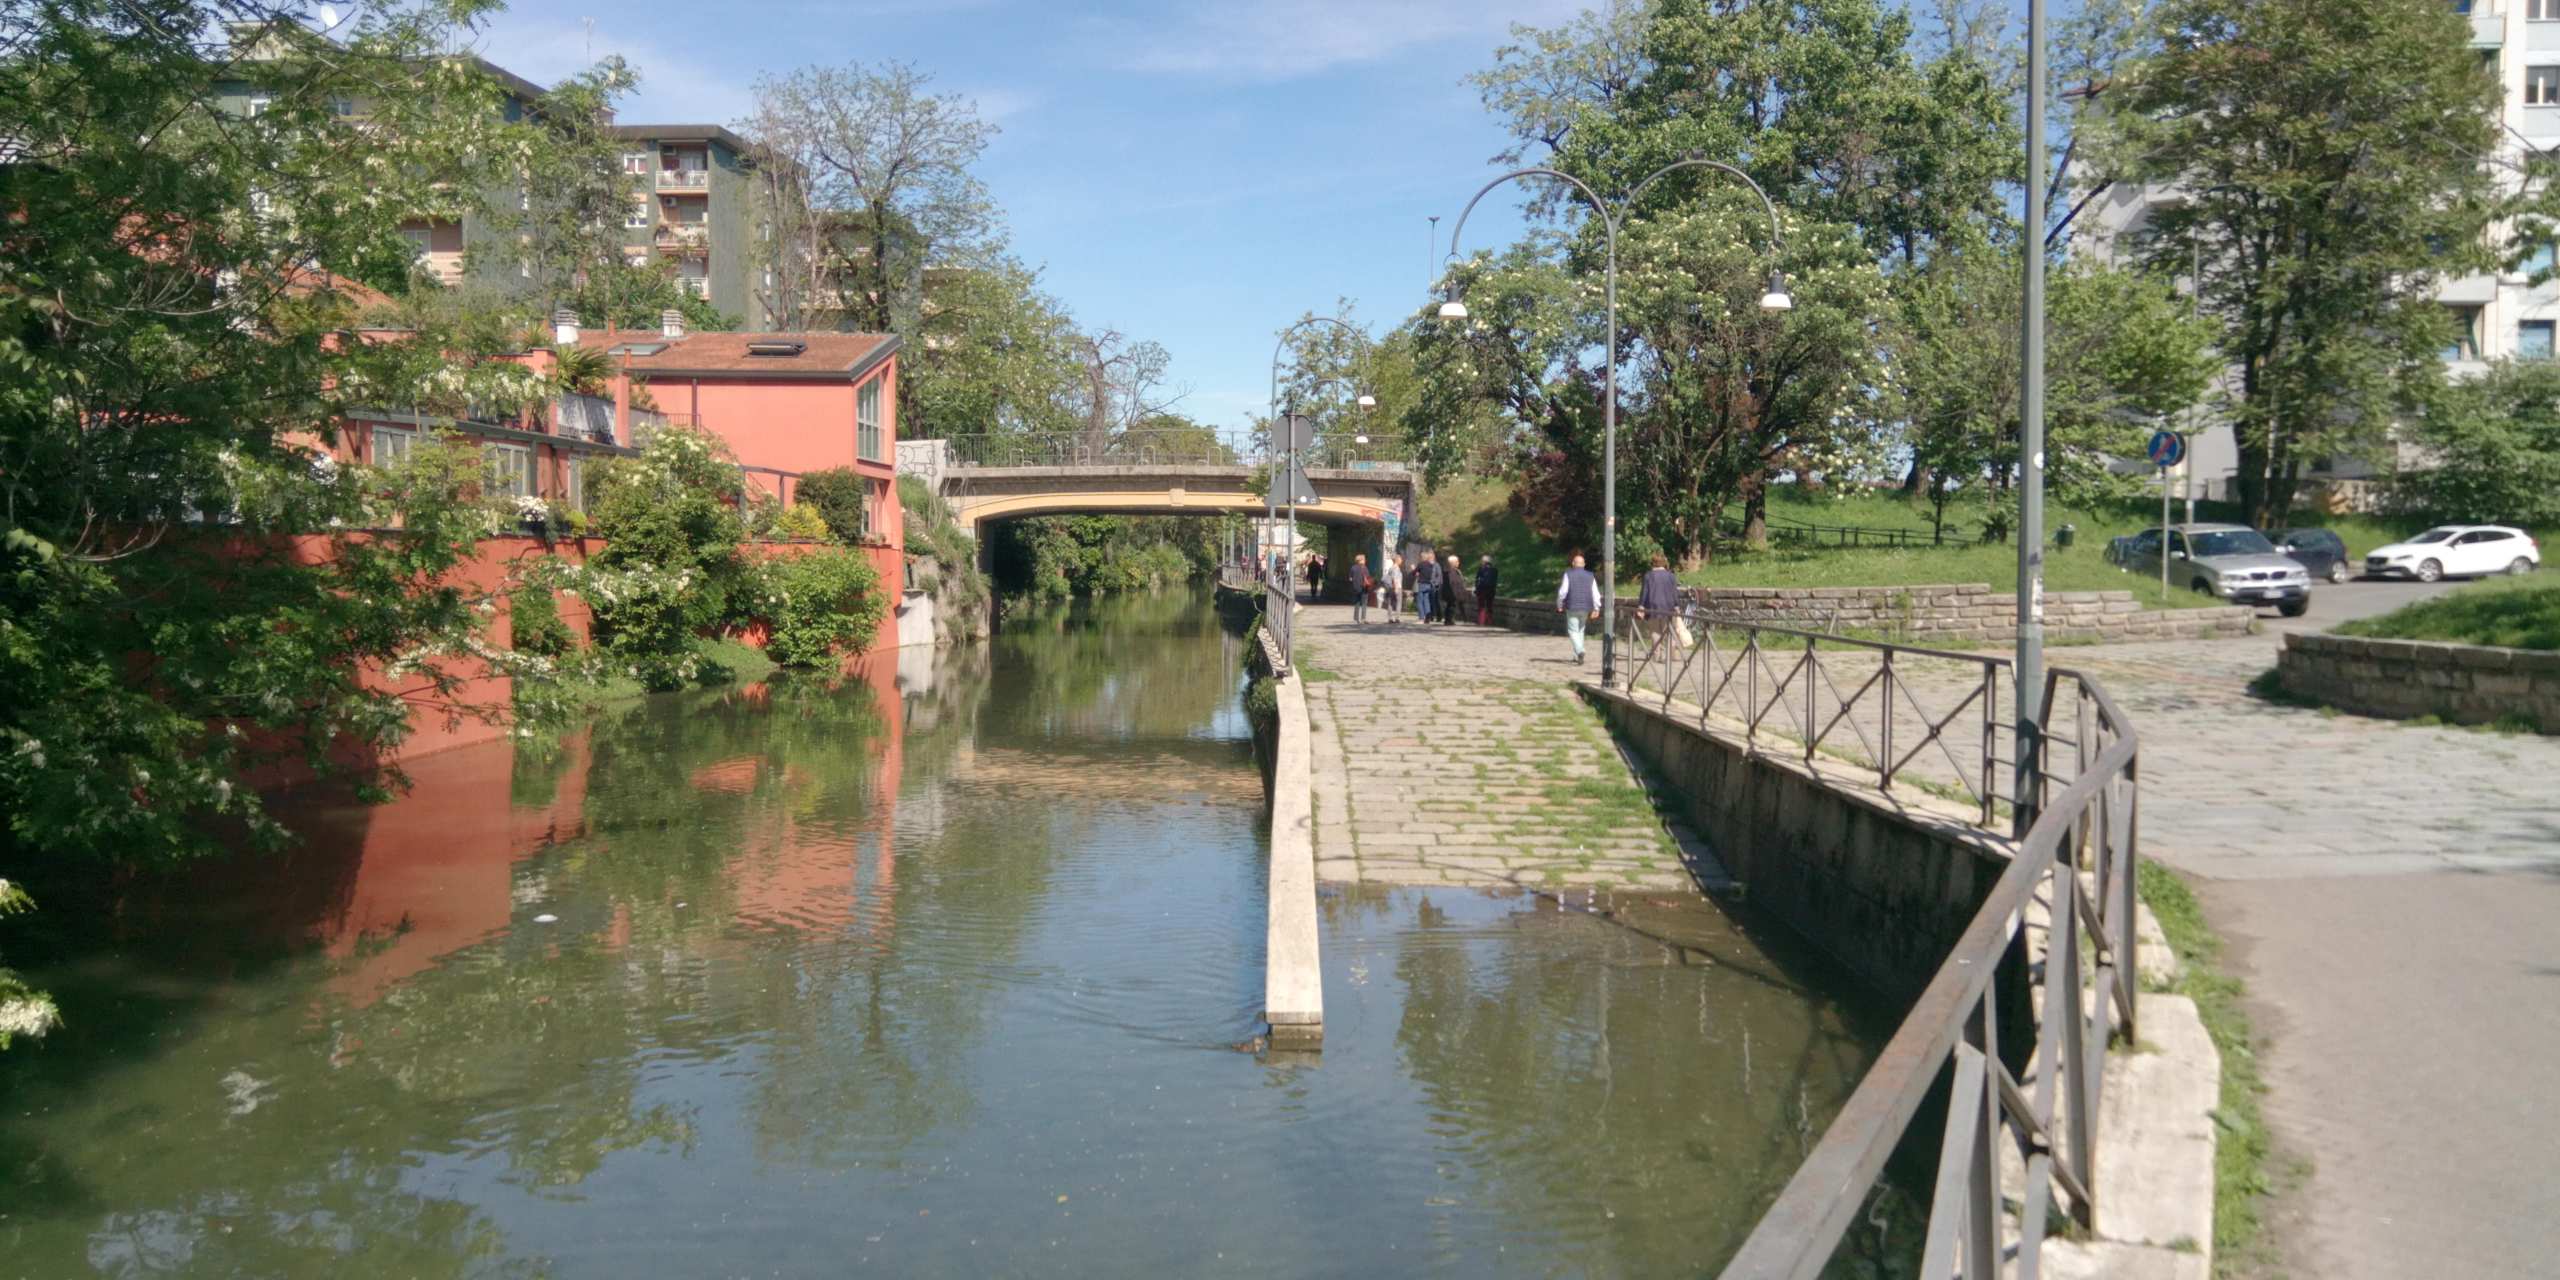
{"x": 1198, "y": 172}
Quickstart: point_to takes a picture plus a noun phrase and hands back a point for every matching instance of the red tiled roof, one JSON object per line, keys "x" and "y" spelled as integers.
{"x": 822, "y": 355}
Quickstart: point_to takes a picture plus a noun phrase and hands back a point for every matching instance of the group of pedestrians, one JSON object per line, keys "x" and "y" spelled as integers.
{"x": 1431, "y": 583}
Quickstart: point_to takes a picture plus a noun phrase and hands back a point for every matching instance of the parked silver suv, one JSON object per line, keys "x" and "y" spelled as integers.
{"x": 2232, "y": 561}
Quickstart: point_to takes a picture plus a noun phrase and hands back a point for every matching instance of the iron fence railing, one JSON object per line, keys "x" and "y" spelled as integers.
{"x": 1147, "y": 447}
{"x": 2068, "y": 891}
{"x": 1280, "y": 610}
{"x": 1925, "y": 717}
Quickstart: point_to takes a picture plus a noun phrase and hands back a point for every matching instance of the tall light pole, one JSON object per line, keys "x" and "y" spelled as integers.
{"x": 1278, "y": 433}
{"x": 2029, "y": 668}
{"x": 1776, "y": 299}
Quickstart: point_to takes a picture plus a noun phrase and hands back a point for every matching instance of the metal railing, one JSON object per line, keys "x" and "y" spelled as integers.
{"x": 1786, "y": 532}
{"x": 684, "y": 179}
{"x": 1145, "y": 447}
{"x": 2068, "y": 890}
{"x": 1280, "y": 601}
{"x": 1929, "y": 717}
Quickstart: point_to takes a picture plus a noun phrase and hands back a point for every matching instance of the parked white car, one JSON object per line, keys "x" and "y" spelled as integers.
{"x": 2456, "y": 551}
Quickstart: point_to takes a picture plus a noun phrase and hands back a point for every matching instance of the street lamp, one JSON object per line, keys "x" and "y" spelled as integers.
{"x": 1776, "y": 299}
{"x": 1273, "y": 437}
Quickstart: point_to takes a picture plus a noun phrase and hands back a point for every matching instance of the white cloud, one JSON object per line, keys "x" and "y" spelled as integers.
{"x": 674, "y": 88}
{"x": 998, "y": 106}
{"x": 1285, "y": 39}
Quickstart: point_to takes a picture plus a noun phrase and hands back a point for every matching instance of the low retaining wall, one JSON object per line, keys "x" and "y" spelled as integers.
{"x": 1884, "y": 885}
{"x": 1293, "y": 977}
{"x": 1937, "y": 613}
{"x": 2463, "y": 683}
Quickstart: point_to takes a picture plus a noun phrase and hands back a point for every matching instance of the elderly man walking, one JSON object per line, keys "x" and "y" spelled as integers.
{"x": 1360, "y": 585}
{"x": 1578, "y": 599}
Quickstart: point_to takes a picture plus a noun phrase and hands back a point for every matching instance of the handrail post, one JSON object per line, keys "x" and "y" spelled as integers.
{"x": 1884, "y": 729}
{"x": 1812, "y": 679}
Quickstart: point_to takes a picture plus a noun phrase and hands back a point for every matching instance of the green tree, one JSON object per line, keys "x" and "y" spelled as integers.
{"x": 185, "y": 597}
{"x": 2332, "y": 158}
{"x": 2122, "y": 353}
{"x": 2489, "y": 449}
{"x": 996, "y": 356}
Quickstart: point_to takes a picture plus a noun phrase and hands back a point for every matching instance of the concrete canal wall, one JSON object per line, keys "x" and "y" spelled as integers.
{"x": 1883, "y": 883}
{"x": 1293, "y": 975}
{"x": 1945, "y": 612}
{"x": 2463, "y": 683}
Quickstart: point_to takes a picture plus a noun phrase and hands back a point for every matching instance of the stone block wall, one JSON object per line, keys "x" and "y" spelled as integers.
{"x": 2462, "y": 683}
{"x": 1882, "y": 887}
{"x": 1940, "y": 613}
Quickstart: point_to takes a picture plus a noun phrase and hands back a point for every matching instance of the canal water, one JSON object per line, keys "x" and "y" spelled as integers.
{"x": 950, "y": 967}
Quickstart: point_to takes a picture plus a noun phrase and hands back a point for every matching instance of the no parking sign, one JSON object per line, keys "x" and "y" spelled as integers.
{"x": 2167, "y": 449}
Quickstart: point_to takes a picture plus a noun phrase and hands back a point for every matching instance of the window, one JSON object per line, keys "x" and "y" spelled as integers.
{"x": 874, "y": 493}
{"x": 2541, "y": 10}
{"x": 637, "y": 216}
{"x": 635, "y": 162}
{"x": 2542, "y": 86}
{"x": 573, "y": 482}
{"x": 420, "y": 239}
{"x": 2533, "y": 340}
{"x": 2537, "y": 259}
{"x": 2466, "y": 341}
{"x": 393, "y": 445}
{"x": 2475, "y": 536}
{"x": 510, "y": 470}
{"x": 866, "y": 418}
{"x": 258, "y": 106}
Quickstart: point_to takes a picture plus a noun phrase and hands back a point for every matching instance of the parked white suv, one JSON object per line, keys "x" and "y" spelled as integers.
{"x": 2456, "y": 550}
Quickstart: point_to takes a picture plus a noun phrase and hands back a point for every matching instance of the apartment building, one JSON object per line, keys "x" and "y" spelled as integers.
{"x": 692, "y": 203}
{"x": 691, "y": 199}
{"x": 2499, "y": 314}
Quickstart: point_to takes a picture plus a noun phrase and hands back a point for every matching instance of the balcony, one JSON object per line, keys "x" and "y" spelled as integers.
{"x": 583, "y": 417}
{"x": 684, "y": 237}
{"x": 684, "y": 180}
{"x": 698, "y": 286}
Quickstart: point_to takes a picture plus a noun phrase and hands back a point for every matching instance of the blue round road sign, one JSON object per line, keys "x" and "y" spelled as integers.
{"x": 2167, "y": 447}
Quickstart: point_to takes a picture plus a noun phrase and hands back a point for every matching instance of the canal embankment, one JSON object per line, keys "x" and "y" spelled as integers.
{"x": 1293, "y": 968}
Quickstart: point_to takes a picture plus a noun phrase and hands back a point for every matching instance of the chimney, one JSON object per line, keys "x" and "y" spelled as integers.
{"x": 564, "y": 327}
{"x": 671, "y": 323}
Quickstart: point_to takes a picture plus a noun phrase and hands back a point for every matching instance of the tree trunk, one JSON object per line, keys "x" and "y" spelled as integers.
{"x": 1917, "y": 480}
{"x": 1755, "y": 513}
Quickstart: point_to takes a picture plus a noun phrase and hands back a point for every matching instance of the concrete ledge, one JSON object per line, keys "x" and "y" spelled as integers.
{"x": 1293, "y": 977}
{"x": 2156, "y": 1137}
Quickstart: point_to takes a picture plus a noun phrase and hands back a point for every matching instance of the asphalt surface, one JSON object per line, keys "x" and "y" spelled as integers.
{"x": 2402, "y": 957}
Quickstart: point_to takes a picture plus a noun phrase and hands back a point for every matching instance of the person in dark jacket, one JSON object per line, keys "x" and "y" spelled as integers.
{"x": 1452, "y": 580}
{"x": 1657, "y": 601}
{"x": 1486, "y": 582}
{"x": 1426, "y": 587}
{"x": 1360, "y": 585}
{"x": 1578, "y": 599}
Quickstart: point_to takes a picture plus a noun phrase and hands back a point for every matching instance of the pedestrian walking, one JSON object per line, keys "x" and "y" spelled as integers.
{"x": 1360, "y": 589}
{"x": 1391, "y": 589}
{"x": 1658, "y": 604}
{"x": 1450, "y": 576}
{"x": 1315, "y": 578}
{"x": 1487, "y": 581}
{"x": 1578, "y": 599}
{"x": 1426, "y": 587}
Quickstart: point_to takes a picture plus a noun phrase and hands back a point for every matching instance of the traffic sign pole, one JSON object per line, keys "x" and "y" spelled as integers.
{"x": 2164, "y": 537}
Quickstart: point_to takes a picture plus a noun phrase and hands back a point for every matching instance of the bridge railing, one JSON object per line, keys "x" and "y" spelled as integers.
{"x": 1280, "y": 612}
{"x": 1147, "y": 447}
{"x": 2068, "y": 891}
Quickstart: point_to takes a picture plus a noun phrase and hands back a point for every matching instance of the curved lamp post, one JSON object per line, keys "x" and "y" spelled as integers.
{"x": 1776, "y": 299}
{"x": 1288, "y": 561}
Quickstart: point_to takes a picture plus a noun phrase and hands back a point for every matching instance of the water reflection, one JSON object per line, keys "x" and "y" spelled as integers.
{"x": 933, "y": 968}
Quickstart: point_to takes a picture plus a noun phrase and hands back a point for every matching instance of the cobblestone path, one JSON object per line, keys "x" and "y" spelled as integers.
{"x": 1461, "y": 756}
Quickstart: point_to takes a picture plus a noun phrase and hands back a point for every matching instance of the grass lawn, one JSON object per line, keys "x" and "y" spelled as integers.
{"x": 1472, "y": 517}
{"x": 2520, "y": 613}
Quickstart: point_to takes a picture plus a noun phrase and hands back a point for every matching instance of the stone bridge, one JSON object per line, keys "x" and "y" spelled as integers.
{"x": 1367, "y": 504}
